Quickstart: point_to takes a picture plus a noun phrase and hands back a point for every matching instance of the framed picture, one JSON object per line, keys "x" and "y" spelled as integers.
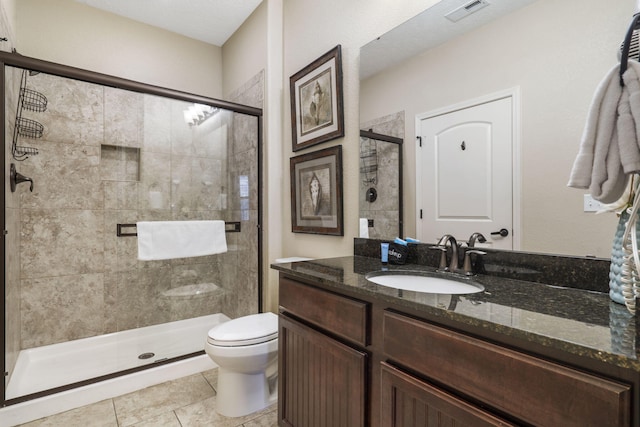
{"x": 316, "y": 192}
{"x": 316, "y": 101}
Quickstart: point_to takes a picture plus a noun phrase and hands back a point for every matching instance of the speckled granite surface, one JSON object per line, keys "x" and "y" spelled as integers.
{"x": 578, "y": 321}
{"x": 591, "y": 274}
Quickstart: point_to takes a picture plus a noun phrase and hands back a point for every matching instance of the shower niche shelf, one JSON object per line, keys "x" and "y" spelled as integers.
{"x": 119, "y": 163}
{"x": 29, "y": 100}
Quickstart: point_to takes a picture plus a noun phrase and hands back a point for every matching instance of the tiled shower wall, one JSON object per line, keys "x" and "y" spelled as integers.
{"x": 385, "y": 210}
{"x": 110, "y": 156}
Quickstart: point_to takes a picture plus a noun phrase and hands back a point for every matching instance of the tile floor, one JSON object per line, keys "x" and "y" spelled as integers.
{"x": 185, "y": 402}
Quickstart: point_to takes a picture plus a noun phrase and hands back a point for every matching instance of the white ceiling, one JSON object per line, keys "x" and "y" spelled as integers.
{"x": 427, "y": 30}
{"x": 210, "y": 21}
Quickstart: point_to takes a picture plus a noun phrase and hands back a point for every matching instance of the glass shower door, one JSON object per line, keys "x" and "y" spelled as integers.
{"x": 77, "y": 299}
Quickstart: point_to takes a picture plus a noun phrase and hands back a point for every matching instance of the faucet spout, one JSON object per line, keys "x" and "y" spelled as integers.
{"x": 476, "y": 236}
{"x": 448, "y": 238}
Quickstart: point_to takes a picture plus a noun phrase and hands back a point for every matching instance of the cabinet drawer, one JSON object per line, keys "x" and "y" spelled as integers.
{"x": 408, "y": 402}
{"x": 534, "y": 390}
{"x": 340, "y": 315}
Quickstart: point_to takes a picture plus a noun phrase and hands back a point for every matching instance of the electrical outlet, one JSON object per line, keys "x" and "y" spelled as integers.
{"x": 590, "y": 204}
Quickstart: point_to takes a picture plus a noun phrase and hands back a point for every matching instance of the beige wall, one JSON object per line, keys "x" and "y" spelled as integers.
{"x": 245, "y": 52}
{"x": 70, "y": 33}
{"x": 312, "y": 28}
{"x": 556, "y": 52}
{"x": 7, "y": 24}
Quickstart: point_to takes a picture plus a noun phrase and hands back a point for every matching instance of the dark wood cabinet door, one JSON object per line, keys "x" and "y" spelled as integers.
{"x": 410, "y": 402}
{"x": 537, "y": 391}
{"x": 321, "y": 381}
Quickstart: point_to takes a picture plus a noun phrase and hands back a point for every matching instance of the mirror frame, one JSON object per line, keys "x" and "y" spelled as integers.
{"x": 398, "y": 141}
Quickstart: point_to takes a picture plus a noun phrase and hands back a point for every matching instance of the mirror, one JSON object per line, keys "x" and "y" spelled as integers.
{"x": 553, "y": 52}
{"x": 380, "y": 195}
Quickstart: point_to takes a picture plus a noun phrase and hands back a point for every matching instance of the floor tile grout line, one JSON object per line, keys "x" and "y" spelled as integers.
{"x": 209, "y": 382}
{"x": 115, "y": 413}
{"x": 175, "y": 414}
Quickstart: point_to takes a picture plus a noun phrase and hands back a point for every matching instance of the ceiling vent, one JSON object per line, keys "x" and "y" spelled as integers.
{"x": 466, "y": 9}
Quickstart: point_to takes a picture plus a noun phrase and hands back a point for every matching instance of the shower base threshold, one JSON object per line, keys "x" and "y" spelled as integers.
{"x": 47, "y": 367}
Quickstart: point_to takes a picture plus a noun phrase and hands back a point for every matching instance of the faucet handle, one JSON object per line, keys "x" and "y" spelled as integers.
{"x": 443, "y": 256}
{"x": 467, "y": 267}
{"x": 16, "y": 178}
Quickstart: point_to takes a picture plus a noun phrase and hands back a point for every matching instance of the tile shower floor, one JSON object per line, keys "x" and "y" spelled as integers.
{"x": 185, "y": 402}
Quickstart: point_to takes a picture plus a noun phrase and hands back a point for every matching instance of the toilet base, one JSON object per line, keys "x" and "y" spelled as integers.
{"x": 242, "y": 394}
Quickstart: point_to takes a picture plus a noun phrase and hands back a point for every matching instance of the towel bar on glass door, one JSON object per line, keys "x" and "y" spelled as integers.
{"x": 229, "y": 227}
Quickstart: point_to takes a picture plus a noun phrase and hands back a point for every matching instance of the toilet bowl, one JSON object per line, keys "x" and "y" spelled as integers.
{"x": 245, "y": 350}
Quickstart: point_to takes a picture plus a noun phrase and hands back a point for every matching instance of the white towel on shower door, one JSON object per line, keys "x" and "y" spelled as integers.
{"x": 159, "y": 240}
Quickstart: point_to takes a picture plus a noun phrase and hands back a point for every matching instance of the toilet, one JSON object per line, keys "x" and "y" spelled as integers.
{"x": 246, "y": 351}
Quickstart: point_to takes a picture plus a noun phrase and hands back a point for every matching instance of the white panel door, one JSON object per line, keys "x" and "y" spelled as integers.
{"x": 465, "y": 173}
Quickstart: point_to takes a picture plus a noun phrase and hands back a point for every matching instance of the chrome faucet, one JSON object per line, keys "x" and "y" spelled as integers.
{"x": 453, "y": 263}
{"x": 475, "y": 236}
{"x": 468, "y": 265}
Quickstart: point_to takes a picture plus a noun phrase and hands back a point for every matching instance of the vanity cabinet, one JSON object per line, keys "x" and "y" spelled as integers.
{"x": 351, "y": 361}
{"x": 322, "y": 363}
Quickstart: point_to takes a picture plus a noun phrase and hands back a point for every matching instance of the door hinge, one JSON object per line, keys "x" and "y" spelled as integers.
{"x": 5, "y": 232}
{"x": 419, "y": 138}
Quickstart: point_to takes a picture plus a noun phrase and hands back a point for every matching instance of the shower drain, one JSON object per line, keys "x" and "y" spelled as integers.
{"x": 146, "y": 356}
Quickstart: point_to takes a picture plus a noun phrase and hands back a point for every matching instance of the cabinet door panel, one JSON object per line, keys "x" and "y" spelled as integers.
{"x": 410, "y": 402}
{"x": 534, "y": 390}
{"x": 322, "y": 381}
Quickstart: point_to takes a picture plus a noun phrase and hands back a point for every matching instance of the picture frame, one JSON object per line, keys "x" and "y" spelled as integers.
{"x": 316, "y": 192}
{"x": 316, "y": 101}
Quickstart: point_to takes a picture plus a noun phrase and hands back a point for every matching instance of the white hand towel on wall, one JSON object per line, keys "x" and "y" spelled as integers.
{"x": 159, "y": 240}
{"x": 610, "y": 149}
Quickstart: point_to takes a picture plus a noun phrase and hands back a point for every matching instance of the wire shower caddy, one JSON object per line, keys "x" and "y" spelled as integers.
{"x": 369, "y": 160}
{"x": 29, "y": 100}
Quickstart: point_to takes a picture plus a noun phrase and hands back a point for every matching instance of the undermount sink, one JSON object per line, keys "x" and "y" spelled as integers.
{"x": 424, "y": 282}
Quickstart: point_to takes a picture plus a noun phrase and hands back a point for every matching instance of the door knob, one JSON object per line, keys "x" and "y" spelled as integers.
{"x": 503, "y": 232}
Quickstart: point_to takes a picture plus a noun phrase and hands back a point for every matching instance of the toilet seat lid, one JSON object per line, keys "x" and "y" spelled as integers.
{"x": 246, "y": 330}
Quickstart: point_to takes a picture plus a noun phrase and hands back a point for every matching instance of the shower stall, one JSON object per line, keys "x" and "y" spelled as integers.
{"x": 86, "y": 156}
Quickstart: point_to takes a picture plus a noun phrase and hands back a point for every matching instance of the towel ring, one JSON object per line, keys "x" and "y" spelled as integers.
{"x": 624, "y": 58}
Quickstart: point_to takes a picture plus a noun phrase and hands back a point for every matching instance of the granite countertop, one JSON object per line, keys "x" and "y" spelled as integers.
{"x": 581, "y": 322}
